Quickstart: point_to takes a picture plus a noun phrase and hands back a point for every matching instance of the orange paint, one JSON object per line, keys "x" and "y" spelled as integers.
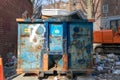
{"x": 91, "y": 20}
{"x": 1, "y": 70}
{"x": 19, "y": 71}
{"x": 65, "y": 62}
{"x": 103, "y": 36}
{"x": 45, "y": 62}
{"x": 20, "y": 20}
{"x": 107, "y": 36}
{"x": 97, "y": 36}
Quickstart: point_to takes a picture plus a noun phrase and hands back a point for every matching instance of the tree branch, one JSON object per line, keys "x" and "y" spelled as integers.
{"x": 95, "y": 7}
{"x": 83, "y": 8}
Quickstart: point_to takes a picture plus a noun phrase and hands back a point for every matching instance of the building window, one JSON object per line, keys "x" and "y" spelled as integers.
{"x": 105, "y": 8}
{"x": 118, "y": 23}
{"x": 113, "y": 25}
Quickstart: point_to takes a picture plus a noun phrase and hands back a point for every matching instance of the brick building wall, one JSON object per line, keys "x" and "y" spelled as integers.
{"x": 112, "y": 12}
{"x": 113, "y": 7}
{"x": 9, "y": 11}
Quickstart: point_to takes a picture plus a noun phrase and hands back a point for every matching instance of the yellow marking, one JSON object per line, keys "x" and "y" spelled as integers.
{"x": 26, "y": 30}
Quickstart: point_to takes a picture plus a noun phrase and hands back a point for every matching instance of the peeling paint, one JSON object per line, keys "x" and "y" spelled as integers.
{"x": 30, "y": 45}
{"x": 80, "y": 45}
{"x": 55, "y": 39}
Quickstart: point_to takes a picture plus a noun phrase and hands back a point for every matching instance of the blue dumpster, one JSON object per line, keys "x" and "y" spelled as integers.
{"x": 71, "y": 38}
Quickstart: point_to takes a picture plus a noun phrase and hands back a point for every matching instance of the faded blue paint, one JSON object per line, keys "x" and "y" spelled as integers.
{"x": 56, "y": 37}
{"x": 56, "y": 30}
{"x": 60, "y": 62}
{"x": 46, "y": 39}
{"x": 80, "y": 45}
{"x": 30, "y": 45}
{"x": 28, "y": 57}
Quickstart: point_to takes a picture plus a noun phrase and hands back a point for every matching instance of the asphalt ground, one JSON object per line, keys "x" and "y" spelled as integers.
{"x": 34, "y": 77}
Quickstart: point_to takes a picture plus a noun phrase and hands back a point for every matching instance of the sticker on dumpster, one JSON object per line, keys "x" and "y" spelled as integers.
{"x": 26, "y": 30}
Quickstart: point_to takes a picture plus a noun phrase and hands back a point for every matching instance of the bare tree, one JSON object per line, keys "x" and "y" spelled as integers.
{"x": 54, "y": 3}
{"x": 83, "y": 5}
{"x": 37, "y": 7}
{"x": 95, "y": 4}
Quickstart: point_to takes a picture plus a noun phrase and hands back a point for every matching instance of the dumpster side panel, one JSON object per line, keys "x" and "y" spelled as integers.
{"x": 30, "y": 45}
{"x": 79, "y": 45}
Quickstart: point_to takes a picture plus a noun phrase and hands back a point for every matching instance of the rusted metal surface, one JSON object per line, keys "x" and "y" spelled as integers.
{"x": 65, "y": 62}
{"x": 30, "y": 46}
{"x": 54, "y": 45}
{"x": 55, "y": 62}
{"x": 80, "y": 45}
{"x": 56, "y": 38}
{"x": 45, "y": 62}
{"x": 55, "y": 32}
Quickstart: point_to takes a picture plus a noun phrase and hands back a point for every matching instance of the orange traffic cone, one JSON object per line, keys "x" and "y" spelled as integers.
{"x": 1, "y": 70}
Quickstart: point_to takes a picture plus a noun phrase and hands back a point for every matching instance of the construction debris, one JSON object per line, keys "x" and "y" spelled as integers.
{"x": 107, "y": 67}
